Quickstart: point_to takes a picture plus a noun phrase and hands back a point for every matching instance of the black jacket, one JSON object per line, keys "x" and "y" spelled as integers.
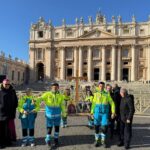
{"x": 117, "y": 100}
{"x": 8, "y": 103}
{"x": 127, "y": 108}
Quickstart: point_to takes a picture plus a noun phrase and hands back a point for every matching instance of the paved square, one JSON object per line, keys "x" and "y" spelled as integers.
{"x": 79, "y": 137}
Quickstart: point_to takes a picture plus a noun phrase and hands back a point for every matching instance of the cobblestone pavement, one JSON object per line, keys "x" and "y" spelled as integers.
{"x": 79, "y": 137}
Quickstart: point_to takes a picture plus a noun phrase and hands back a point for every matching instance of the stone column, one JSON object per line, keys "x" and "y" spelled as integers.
{"x": 103, "y": 77}
{"x": 148, "y": 62}
{"x": 89, "y": 64}
{"x": 119, "y": 64}
{"x": 75, "y": 61}
{"x": 48, "y": 65}
{"x": 113, "y": 65}
{"x": 80, "y": 62}
{"x": 62, "y": 64}
{"x": 133, "y": 63}
{"x": 32, "y": 65}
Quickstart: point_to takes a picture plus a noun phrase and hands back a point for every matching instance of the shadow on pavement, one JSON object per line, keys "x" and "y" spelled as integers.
{"x": 141, "y": 136}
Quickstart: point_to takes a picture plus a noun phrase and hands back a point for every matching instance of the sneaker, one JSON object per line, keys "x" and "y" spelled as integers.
{"x": 66, "y": 126}
{"x": 127, "y": 147}
{"x": 49, "y": 144}
{"x": 56, "y": 143}
{"x": 120, "y": 144}
{"x": 2, "y": 146}
{"x": 32, "y": 144}
{"x": 24, "y": 144}
{"x": 104, "y": 144}
{"x": 97, "y": 143}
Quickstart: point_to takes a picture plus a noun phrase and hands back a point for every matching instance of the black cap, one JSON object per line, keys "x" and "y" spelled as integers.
{"x": 54, "y": 84}
{"x": 103, "y": 83}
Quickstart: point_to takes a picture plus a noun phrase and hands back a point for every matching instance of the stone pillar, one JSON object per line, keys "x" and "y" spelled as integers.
{"x": 48, "y": 65}
{"x": 80, "y": 62}
{"x": 148, "y": 62}
{"x": 103, "y": 77}
{"x": 62, "y": 64}
{"x": 32, "y": 65}
{"x": 75, "y": 61}
{"x": 133, "y": 63}
{"x": 113, "y": 64}
{"x": 119, "y": 64}
{"x": 89, "y": 64}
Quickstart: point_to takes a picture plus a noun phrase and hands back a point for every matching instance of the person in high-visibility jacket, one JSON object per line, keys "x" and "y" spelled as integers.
{"x": 100, "y": 112}
{"x": 55, "y": 108}
{"x": 88, "y": 100}
{"x": 28, "y": 108}
{"x": 66, "y": 100}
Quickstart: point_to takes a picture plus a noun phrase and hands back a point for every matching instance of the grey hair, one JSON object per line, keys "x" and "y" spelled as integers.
{"x": 28, "y": 90}
{"x": 124, "y": 90}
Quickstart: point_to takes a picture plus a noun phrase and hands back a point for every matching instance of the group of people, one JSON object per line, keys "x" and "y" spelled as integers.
{"x": 111, "y": 107}
{"x": 107, "y": 105}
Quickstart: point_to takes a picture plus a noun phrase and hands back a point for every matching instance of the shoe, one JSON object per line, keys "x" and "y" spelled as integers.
{"x": 97, "y": 143}
{"x": 127, "y": 147}
{"x": 32, "y": 144}
{"x": 56, "y": 143}
{"x": 49, "y": 144}
{"x": 104, "y": 144}
{"x": 120, "y": 144}
{"x": 2, "y": 146}
{"x": 24, "y": 144}
{"x": 66, "y": 126}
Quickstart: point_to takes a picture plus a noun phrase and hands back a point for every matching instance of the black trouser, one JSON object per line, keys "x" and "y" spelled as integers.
{"x": 125, "y": 132}
{"x": 101, "y": 129}
{"x": 49, "y": 131}
{"x": 25, "y": 132}
{"x": 4, "y": 133}
{"x": 112, "y": 125}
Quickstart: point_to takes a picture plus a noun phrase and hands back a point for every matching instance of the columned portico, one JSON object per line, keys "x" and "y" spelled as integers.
{"x": 95, "y": 53}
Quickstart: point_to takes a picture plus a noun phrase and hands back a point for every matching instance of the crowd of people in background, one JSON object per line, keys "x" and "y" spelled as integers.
{"x": 109, "y": 107}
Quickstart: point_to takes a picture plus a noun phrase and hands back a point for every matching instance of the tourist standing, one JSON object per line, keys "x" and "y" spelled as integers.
{"x": 66, "y": 100}
{"x": 28, "y": 108}
{"x": 126, "y": 112}
{"x": 8, "y": 105}
{"x": 54, "y": 109}
{"x": 100, "y": 112}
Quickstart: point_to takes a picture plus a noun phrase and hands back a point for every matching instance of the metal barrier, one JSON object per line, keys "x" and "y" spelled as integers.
{"x": 142, "y": 100}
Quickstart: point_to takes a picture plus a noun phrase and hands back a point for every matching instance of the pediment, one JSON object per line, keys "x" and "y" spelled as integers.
{"x": 96, "y": 33}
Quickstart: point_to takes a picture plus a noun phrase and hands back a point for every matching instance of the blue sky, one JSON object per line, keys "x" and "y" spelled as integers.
{"x": 17, "y": 15}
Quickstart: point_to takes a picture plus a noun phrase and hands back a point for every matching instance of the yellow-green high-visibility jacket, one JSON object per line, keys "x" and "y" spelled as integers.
{"x": 89, "y": 98}
{"x": 104, "y": 100}
{"x": 66, "y": 98}
{"x": 26, "y": 103}
{"x": 96, "y": 89}
{"x": 54, "y": 103}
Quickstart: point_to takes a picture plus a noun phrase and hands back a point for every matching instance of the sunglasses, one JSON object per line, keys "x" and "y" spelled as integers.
{"x": 7, "y": 84}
